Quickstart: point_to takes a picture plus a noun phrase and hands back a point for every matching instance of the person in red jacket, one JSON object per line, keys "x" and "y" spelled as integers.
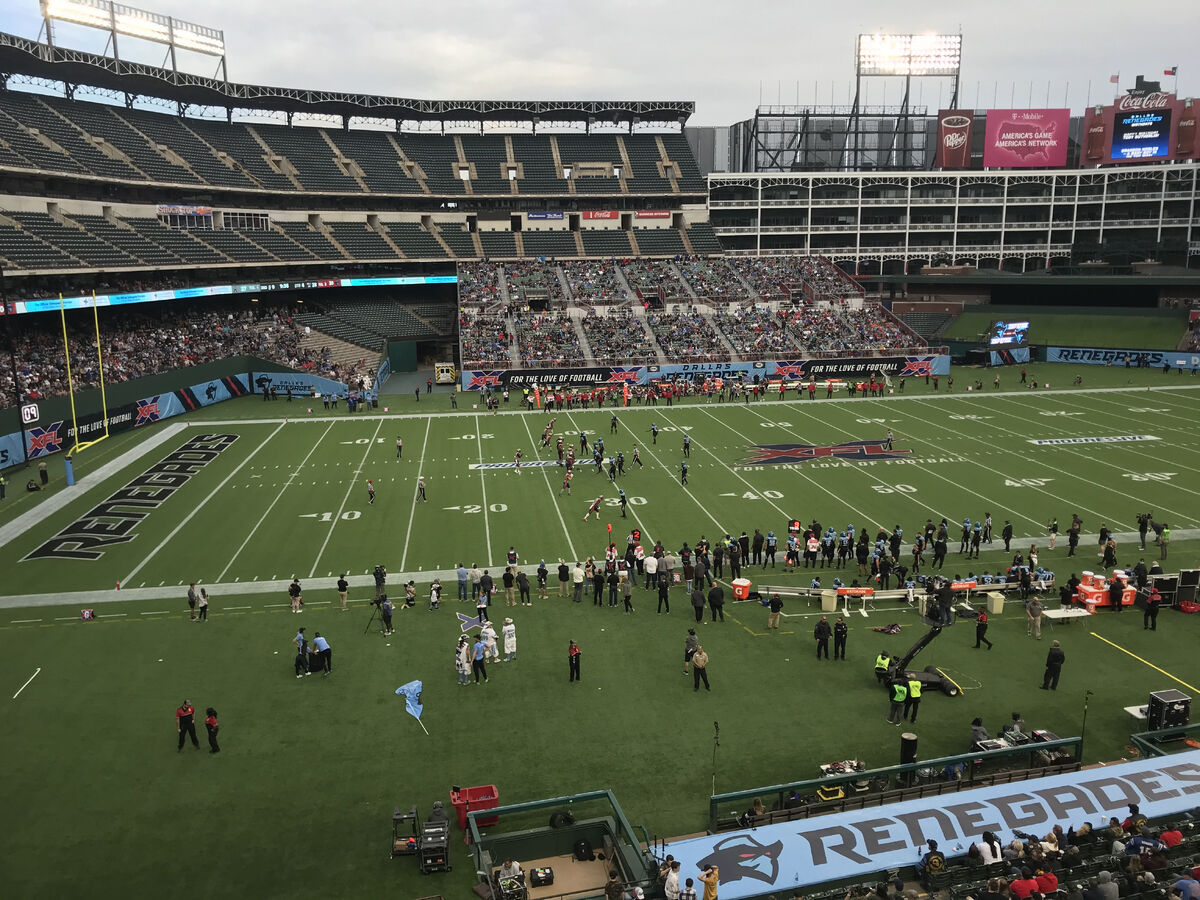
{"x": 185, "y": 724}
{"x": 1047, "y": 882}
{"x": 1025, "y": 885}
{"x": 210, "y": 722}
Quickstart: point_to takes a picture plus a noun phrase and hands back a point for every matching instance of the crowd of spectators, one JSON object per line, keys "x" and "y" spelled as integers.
{"x": 485, "y": 339}
{"x": 479, "y": 283}
{"x": 874, "y": 328}
{"x": 712, "y": 278}
{"x": 531, "y": 281}
{"x": 648, "y": 275}
{"x": 769, "y": 275}
{"x": 156, "y": 339}
{"x": 595, "y": 282}
{"x": 617, "y": 339}
{"x": 686, "y": 336}
{"x": 755, "y": 331}
{"x": 546, "y": 339}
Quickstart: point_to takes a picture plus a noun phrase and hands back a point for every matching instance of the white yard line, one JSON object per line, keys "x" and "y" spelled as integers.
{"x": 487, "y": 525}
{"x": 550, "y": 490}
{"x": 1110, "y": 489}
{"x": 199, "y": 506}
{"x": 412, "y": 512}
{"x": 263, "y": 518}
{"x": 26, "y": 684}
{"x": 341, "y": 509}
{"x": 1152, "y": 419}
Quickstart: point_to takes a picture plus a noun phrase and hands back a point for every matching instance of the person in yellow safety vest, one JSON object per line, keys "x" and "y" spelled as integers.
{"x": 914, "y": 699}
{"x": 881, "y": 667}
{"x": 899, "y": 695}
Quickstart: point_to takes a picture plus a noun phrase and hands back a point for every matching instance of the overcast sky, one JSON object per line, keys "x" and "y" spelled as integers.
{"x": 719, "y": 54}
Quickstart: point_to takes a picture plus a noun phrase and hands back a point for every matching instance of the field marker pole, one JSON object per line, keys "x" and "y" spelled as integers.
{"x": 341, "y": 509}
{"x": 487, "y": 525}
{"x": 550, "y": 488}
{"x": 26, "y": 684}
{"x": 128, "y": 579}
{"x": 254, "y": 530}
{"x": 413, "y": 511}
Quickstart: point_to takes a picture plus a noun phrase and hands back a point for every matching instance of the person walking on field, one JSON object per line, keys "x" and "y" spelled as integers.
{"x": 1054, "y": 663}
{"x": 193, "y": 598}
{"x": 700, "y": 668}
{"x": 202, "y": 605}
{"x": 981, "y": 627}
{"x": 774, "y": 605}
{"x": 573, "y": 655}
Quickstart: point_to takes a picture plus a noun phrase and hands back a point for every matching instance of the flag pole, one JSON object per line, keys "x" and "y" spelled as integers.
{"x": 422, "y": 724}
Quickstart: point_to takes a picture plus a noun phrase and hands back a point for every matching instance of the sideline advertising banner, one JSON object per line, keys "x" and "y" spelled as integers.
{"x": 600, "y": 214}
{"x": 784, "y": 370}
{"x": 296, "y": 382}
{"x": 1107, "y": 356}
{"x": 1026, "y": 138}
{"x": 845, "y": 845}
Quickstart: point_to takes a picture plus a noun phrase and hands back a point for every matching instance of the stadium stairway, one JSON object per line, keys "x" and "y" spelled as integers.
{"x": 629, "y": 291}
{"x": 706, "y": 314}
{"x": 584, "y": 344}
{"x": 640, "y": 314}
{"x": 378, "y": 227}
{"x": 687, "y": 286}
{"x": 633, "y": 244}
{"x": 562, "y": 278}
{"x": 514, "y": 352}
{"x": 348, "y": 356}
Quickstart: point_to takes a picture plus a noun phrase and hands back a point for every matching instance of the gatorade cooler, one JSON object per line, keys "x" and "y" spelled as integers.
{"x": 741, "y": 588}
{"x": 1099, "y": 583}
{"x": 1086, "y": 579}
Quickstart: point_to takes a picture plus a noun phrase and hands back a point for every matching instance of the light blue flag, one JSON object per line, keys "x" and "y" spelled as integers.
{"x": 412, "y": 701}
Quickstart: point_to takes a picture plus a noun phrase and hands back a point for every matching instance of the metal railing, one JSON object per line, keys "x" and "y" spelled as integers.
{"x": 886, "y": 785}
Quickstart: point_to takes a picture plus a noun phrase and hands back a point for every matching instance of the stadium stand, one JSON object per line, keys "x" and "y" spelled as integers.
{"x": 489, "y": 155}
{"x": 498, "y": 244}
{"x": 659, "y": 241}
{"x": 415, "y": 241}
{"x": 686, "y": 336}
{"x": 927, "y": 325}
{"x": 457, "y": 238}
{"x": 75, "y": 242}
{"x": 755, "y": 332}
{"x": 644, "y": 160}
{"x": 479, "y": 284}
{"x": 546, "y": 339}
{"x": 310, "y": 239}
{"x": 183, "y": 243}
{"x": 21, "y": 250}
{"x": 101, "y": 122}
{"x": 360, "y": 241}
{"x": 484, "y": 339}
{"x": 437, "y": 158}
{"x": 239, "y": 144}
{"x": 157, "y": 339}
{"x": 606, "y": 242}
{"x": 539, "y": 173}
{"x": 532, "y": 283}
{"x": 173, "y": 133}
{"x": 280, "y": 246}
{"x": 704, "y": 240}
{"x": 575, "y": 149}
{"x": 616, "y": 339}
{"x": 676, "y": 148}
{"x": 551, "y": 244}
{"x": 712, "y": 279}
{"x": 594, "y": 282}
{"x": 128, "y": 239}
{"x": 36, "y": 114}
{"x": 312, "y": 157}
{"x": 381, "y": 166}
{"x": 648, "y": 276}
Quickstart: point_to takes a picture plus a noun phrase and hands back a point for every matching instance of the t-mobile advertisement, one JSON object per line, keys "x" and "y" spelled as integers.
{"x": 954, "y": 138}
{"x": 1147, "y": 127}
{"x": 1026, "y": 138}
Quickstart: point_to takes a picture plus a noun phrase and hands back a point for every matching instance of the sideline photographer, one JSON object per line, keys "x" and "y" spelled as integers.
{"x": 380, "y": 580}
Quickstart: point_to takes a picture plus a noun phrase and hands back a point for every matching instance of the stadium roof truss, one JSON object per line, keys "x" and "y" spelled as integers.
{"x": 60, "y": 65}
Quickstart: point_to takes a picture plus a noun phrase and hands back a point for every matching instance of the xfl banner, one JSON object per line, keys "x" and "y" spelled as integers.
{"x": 44, "y": 439}
{"x": 785, "y": 370}
{"x": 783, "y": 454}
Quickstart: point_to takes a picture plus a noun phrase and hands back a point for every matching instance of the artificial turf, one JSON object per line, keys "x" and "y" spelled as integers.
{"x": 1100, "y": 327}
{"x": 311, "y": 769}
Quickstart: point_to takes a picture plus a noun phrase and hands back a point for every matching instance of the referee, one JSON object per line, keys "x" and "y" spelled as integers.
{"x": 185, "y": 724}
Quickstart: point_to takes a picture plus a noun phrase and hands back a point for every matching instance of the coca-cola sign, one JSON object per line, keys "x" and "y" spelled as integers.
{"x": 1155, "y": 100}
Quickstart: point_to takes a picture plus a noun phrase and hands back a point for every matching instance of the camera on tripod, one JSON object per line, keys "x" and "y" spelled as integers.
{"x": 380, "y": 577}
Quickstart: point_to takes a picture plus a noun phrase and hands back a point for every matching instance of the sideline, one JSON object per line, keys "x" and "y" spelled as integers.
{"x": 687, "y": 402}
{"x": 92, "y": 480}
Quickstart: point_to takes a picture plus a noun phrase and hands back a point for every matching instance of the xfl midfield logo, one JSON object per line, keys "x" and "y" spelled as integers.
{"x": 779, "y": 454}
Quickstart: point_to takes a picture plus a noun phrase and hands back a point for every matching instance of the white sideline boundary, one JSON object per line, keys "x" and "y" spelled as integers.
{"x": 89, "y": 482}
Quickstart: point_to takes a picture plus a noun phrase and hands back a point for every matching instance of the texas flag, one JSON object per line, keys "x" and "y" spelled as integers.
{"x": 1171, "y": 71}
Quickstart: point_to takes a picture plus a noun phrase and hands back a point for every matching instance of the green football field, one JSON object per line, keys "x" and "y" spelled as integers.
{"x": 311, "y": 769}
{"x": 1145, "y": 330}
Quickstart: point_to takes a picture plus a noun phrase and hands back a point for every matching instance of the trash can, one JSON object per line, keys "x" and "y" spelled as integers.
{"x": 475, "y": 798}
{"x": 995, "y": 603}
{"x": 829, "y": 600}
{"x": 741, "y": 588}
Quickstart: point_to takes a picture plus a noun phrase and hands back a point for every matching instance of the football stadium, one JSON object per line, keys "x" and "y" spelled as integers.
{"x": 636, "y": 416}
